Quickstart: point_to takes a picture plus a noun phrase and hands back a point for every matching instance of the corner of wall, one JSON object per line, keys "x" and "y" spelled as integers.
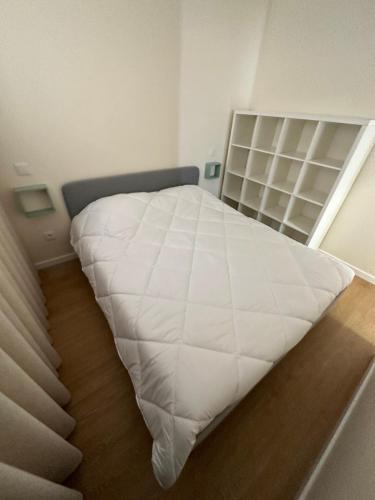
{"x": 220, "y": 44}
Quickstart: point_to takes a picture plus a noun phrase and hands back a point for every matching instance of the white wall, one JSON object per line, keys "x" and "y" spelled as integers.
{"x": 91, "y": 88}
{"x": 319, "y": 57}
{"x": 220, "y": 43}
{"x": 87, "y": 88}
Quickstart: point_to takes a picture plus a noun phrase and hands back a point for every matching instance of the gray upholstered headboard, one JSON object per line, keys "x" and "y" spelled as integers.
{"x": 78, "y": 194}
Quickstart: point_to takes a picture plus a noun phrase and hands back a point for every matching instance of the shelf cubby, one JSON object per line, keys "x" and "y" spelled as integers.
{"x": 249, "y": 212}
{"x": 269, "y": 221}
{"x": 229, "y": 201}
{"x": 295, "y": 234}
{"x": 268, "y": 133}
{"x": 276, "y": 204}
{"x": 303, "y": 215}
{"x": 317, "y": 183}
{"x": 253, "y": 194}
{"x": 243, "y": 130}
{"x": 233, "y": 186}
{"x": 286, "y": 174}
{"x": 260, "y": 166}
{"x": 298, "y": 138}
{"x": 237, "y": 160}
{"x": 334, "y": 144}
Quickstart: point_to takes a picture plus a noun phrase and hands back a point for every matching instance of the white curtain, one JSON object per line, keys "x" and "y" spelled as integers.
{"x": 34, "y": 453}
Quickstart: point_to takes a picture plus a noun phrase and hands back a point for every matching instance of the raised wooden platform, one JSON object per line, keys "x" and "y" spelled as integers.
{"x": 346, "y": 467}
{"x": 262, "y": 451}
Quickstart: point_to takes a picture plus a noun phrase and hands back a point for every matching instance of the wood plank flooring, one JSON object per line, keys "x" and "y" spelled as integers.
{"x": 262, "y": 451}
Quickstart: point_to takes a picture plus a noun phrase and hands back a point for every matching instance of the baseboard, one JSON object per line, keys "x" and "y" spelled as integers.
{"x": 55, "y": 260}
{"x": 362, "y": 274}
{"x": 359, "y": 272}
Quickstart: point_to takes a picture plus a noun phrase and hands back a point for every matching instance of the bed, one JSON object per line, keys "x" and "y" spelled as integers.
{"x": 202, "y": 301}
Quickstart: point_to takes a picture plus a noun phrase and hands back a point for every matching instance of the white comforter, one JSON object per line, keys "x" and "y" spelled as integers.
{"x": 202, "y": 302}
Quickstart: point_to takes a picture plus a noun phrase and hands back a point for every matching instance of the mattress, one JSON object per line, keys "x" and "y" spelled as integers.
{"x": 202, "y": 302}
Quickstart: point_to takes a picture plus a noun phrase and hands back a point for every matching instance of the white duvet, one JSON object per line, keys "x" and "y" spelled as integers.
{"x": 202, "y": 302}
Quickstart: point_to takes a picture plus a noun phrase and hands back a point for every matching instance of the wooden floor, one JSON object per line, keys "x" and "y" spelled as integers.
{"x": 263, "y": 450}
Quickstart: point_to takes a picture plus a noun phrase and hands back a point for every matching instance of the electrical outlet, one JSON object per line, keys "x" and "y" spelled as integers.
{"x": 49, "y": 235}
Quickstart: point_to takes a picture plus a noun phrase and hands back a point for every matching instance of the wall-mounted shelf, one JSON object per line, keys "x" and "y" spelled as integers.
{"x": 33, "y": 201}
{"x": 293, "y": 171}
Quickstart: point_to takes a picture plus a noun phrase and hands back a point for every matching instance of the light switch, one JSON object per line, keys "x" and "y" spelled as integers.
{"x": 22, "y": 168}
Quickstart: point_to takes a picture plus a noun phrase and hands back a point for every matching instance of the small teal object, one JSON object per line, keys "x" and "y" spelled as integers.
{"x": 212, "y": 170}
{"x": 34, "y": 200}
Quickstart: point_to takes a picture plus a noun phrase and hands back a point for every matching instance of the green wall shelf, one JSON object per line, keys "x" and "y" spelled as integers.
{"x": 212, "y": 170}
{"x": 34, "y": 200}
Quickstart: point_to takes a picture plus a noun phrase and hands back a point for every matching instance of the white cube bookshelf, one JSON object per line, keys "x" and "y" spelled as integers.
{"x": 293, "y": 171}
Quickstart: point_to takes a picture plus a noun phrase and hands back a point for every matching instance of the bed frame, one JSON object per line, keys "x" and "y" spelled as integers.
{"x": 78, "y": 194}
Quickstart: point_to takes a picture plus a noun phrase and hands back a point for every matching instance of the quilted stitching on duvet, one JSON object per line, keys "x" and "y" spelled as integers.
{"x": 202, "y": 302}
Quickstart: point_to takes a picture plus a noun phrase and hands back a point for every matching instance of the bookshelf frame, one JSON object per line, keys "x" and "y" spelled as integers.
{"x": 293, "y": 171}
